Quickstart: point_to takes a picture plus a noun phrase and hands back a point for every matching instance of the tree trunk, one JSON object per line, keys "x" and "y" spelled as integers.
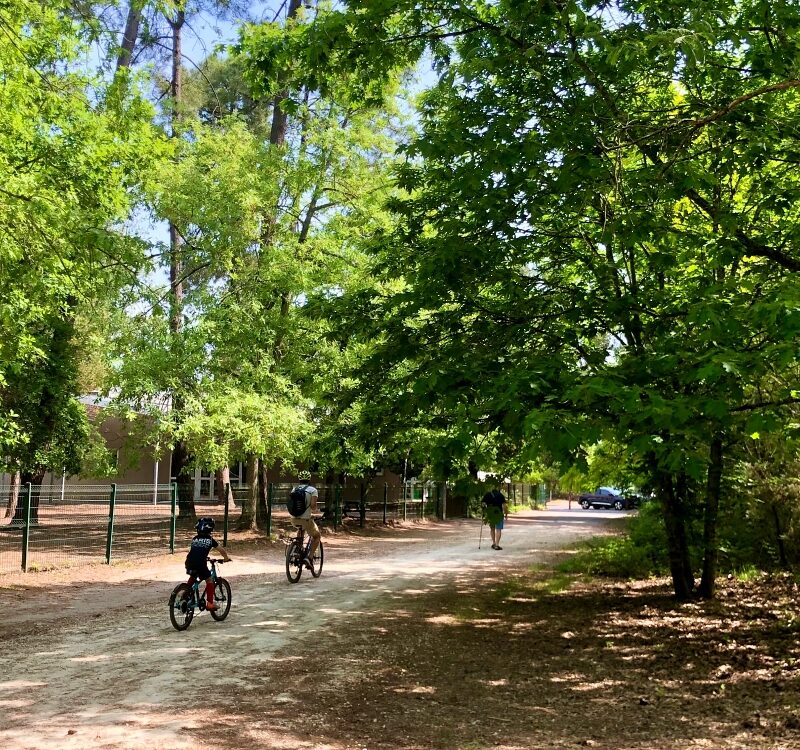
{"x": 129, "y": 36}
{"x": 13, "y": 494}
{"x": 180, "y": 454}
{"x": 329, "y": 500}
{"x": 248, "y": 518}
{"x": 180, "y": 470}
{"x": 35, "y": 479}
{"x": 221, "y": 478}
{"x": 263, "y": 485}
{"x": 779, "y": 537}
{"x": 277, "y": 134}
{"x": 710, "y": 551}
{"x": 672, "y": 491}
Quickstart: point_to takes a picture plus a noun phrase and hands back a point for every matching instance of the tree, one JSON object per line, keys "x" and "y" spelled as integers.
{"x": 73, "y": 153}
{"x": 598, "y": 238}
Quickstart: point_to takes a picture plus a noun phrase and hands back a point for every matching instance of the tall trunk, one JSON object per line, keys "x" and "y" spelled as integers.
{"x": 673, "y": 500}
{"x": 710, "y": 551}
{"x": 261, "y": 503}
{"x": 13, "y": 494}
{"x": 180, "y": 454}
{"x": 277, "y": 135}
{"x": 130, "y": 35}
{"x": 248, "y": 517}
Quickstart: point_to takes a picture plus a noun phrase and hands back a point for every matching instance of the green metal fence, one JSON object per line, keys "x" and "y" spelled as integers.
{"x": 75, "y": 525}
{"x": 84, "y": 524}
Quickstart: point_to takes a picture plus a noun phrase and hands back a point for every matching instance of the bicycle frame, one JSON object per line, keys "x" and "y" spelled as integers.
{"x": 198, "y": 600}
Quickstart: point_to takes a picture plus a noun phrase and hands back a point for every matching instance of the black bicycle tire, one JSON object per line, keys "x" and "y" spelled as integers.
{"x": 319, "y": 558}
{"x": 187, "y": 613}
{"x": 224, "y": 603}
{"x": 296, "y": 564}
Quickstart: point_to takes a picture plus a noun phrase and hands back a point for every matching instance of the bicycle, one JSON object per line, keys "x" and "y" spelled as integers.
{"x": 296, "y": 551}
{"x": 186, "y": 598}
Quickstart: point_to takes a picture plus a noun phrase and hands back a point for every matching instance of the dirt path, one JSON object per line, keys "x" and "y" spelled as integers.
{"x": 98, "y": 665}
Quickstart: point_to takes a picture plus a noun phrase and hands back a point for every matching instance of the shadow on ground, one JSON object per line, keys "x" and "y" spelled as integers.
{"x": 534, "y": 661}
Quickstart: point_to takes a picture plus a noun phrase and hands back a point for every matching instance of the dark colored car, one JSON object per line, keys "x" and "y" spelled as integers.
{"x": 605, "y": 497}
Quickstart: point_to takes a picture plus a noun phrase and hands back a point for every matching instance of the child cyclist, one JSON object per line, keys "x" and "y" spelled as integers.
{"x": 197, "y": 558}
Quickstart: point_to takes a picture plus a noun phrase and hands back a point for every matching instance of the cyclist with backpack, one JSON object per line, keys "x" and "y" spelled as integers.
{"x": 302, "y": 503}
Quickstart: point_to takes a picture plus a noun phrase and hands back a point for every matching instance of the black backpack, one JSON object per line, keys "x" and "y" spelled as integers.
{"x": 297, "y": 501}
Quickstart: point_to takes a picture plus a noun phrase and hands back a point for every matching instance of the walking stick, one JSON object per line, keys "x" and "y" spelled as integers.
{"x": 480, "y": 538}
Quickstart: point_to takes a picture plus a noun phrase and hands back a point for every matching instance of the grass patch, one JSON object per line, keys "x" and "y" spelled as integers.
{"x": 556, "y": 583}
{"x": 612, "y": 557}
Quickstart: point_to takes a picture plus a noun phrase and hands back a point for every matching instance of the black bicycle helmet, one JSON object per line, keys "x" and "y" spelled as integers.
{"x": 205, "y": 525}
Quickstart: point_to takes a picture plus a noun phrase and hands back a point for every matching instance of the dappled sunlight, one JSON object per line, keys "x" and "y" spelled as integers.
{"x": 20, "y": 685}
{"x": 182, "y": 650}
{"x": 271, "y": 625}
{"x": 141, "y": 725}
{"x": 586, "y": 687}
{"x": 17, "y": 703}
{"x": 95, "y": 658}
{"x": 443, "y": 620}
{"x": 416, "y": 690}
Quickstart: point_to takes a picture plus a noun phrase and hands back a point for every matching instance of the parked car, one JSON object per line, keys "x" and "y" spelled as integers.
{"x": 605, "y": 497}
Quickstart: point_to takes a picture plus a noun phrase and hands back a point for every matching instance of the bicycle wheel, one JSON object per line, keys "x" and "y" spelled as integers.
{"x": 319, "y": 557}
{"x": 222, "y": 598}
{"x": 181, "y": 606}
{"x": 294, "y": 562}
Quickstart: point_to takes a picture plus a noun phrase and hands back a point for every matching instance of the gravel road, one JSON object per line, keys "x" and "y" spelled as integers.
{"x": 93, "y": 661}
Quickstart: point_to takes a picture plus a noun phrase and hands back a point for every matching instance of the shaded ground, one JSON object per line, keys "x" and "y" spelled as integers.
{"x": 507, "y": 661}
{"x": 412, "y": 638}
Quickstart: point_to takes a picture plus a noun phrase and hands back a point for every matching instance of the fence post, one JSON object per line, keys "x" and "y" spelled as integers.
{"x": 26, "y": 525}
{"x": 422, "y": 501}
{"x": 270, "y": 496}
{"x": 227, "y": 510}
{"x": 405, "y": 504}
{"x": 362, "y": 507}
{"x": 112, "y": 504}
{"x": 337, "y": 509}
{"x": 385, "y": 500}
{"x": 174, "y": 495}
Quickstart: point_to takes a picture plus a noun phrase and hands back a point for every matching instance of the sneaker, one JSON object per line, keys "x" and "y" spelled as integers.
{"x": 497, "y": 546}
{"x": 494, "y": 546}
{"x": 308, "y": 562}
{"x": 210, "y": 606}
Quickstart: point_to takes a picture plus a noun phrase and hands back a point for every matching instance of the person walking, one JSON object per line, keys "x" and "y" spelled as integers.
{"x": 495, "y": 511}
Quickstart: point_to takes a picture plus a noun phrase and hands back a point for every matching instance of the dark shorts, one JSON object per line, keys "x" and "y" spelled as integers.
{"x": 201, "y": 573}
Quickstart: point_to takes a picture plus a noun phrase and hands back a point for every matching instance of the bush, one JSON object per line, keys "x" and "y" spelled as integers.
{"x": 640, "y": 553}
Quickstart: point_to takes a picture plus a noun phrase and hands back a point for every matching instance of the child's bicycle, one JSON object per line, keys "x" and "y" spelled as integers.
{"x": 296, "y": 551}
{"x": 186, "y": 598}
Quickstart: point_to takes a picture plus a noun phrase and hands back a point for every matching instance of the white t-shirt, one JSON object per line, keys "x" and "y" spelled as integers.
{"x": 311, "y": 492}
